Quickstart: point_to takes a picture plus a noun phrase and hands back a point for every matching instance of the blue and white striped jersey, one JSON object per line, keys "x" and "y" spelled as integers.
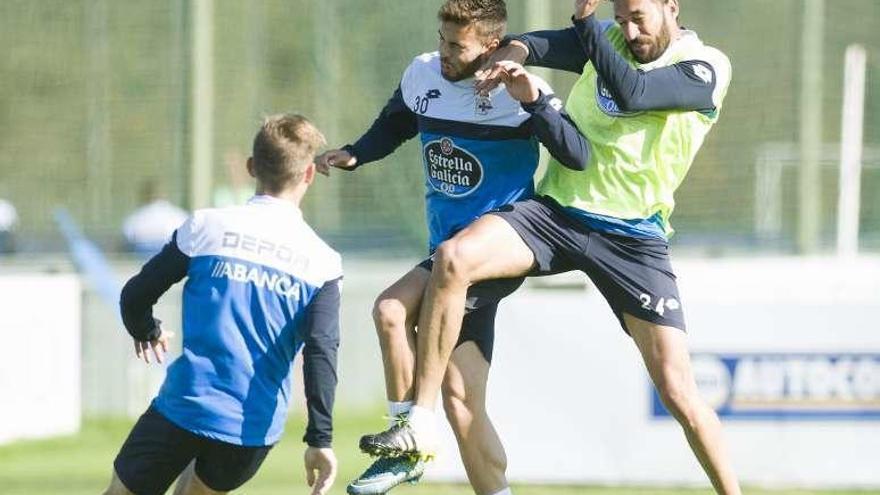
{"x": 260, "y": 285}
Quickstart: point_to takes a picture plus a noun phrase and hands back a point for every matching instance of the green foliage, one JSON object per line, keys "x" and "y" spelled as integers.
{"x": 94, "y": 101}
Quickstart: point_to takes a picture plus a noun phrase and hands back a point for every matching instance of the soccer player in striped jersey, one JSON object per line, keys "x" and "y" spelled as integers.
{"x": 648, "y": 94}
{"x": 480, "y": 152}
{"x": 261, "y": 286}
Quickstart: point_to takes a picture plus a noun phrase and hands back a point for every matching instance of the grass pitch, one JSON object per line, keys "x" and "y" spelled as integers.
{"x": 80, "y": 465}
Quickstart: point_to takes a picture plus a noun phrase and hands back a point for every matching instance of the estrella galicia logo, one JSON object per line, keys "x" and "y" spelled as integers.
{"x": 606, "y": 100}
{"x": 787, "y": 387}
{"x": 450, "y": 169}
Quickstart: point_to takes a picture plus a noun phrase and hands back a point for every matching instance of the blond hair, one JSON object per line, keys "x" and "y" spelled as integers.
{"x": 489, "y": 17}
{"x": 283, "y": 148}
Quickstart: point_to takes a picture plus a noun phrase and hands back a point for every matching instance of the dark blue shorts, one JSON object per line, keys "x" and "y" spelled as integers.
{"x": 481, "y": 305}
{"x": 157, "y": 451}
{"x": 634, "y": 274}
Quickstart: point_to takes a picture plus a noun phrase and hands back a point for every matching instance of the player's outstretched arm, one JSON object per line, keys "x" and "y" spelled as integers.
{"x": 395, "y": 125}
{"x": 687, "y": 85}
{"x": 341, "y": 158}
{"x": 141, "y": 292}
{"x": 558, "y": 49}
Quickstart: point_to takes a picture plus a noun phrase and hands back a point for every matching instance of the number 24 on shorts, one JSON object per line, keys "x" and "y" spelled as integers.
{"x": 662, "y": 304}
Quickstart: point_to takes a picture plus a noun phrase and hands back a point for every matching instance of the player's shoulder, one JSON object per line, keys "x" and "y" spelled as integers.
{"x": 206, "y": 219}
{"x": 326, "y": 262}
{"x": 699, "y": 51}
{"x": 426, "y": 65}
{"x": 427, "y": 59}
{"x": 711, "y": 65}
{"x": 718, "y": 59}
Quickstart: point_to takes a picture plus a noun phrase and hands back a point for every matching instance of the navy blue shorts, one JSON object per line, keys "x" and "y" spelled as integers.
{"x": 481, "y": 305}
{"x": 157, "y": 451}
{"x": 634, "y": 274}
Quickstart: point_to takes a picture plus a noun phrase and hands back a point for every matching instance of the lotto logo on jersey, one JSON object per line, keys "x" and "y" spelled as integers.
{"x": 787, "y": 387}
{"x": 451, "y": 170}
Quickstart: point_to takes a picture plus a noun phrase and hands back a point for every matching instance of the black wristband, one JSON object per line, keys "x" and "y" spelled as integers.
{"x": 349, "y": 148}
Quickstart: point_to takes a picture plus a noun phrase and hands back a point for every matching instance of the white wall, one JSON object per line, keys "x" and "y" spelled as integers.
{"x": 40, "y": 367}
{"x": 568, "y": 392}
{"x": 573, "y": 404}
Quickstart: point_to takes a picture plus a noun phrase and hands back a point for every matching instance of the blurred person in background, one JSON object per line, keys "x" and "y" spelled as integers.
{"x": 649, "y": 93}
{"x": 261, "y": 286}
{"x": 150, "y": 226}
{"x": 8, "y": 224}
{"x": 480, "y": 152}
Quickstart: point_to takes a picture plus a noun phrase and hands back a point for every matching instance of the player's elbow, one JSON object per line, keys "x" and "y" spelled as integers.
{"x": 629, "y": 103}
{"x": 576, "y": 161}
{"x": 577, "y": 157}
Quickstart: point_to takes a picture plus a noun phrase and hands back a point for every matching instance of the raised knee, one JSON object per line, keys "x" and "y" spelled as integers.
{"x": 452, "y": 261}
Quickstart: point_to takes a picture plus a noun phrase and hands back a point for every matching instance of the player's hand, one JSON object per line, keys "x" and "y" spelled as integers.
{"x": 334, "y": 158}
{"x": 520, "y": 84}
{"x": 159, "y": 346}
{"x": 585, "y": 8}
{"x": 320, "y": 469}
{"x": 515, "y": 51}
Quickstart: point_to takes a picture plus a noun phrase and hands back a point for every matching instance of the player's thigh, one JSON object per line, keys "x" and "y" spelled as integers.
{"x": 224, "y": 467}
{"x": 489, "y": 248}
{"x": 636, "y": 278}
{"x": 665, "y": 353}
{"x": 403, "y": 298}
{"x": 154, "y": 454}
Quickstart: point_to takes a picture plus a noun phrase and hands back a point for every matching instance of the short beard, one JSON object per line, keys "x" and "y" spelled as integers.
{"x": 664, "y": 38}
{"x": 468, "y": 71}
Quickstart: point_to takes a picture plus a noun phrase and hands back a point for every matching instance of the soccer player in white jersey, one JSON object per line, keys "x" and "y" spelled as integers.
{"x": 261, "y": 286}
{"x": 480, "y": 152}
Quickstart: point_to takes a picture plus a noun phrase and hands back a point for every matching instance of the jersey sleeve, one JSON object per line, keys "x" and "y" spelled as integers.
{"x": 723, "y": 72}
{"x": 554, "y": 49}
{"x": 395, "y": 125}
{"x": 556, "y": 130}
{"x": 321, "y": 344}
{"x": 141, "y": 292}
{"x": 688, "y": 85}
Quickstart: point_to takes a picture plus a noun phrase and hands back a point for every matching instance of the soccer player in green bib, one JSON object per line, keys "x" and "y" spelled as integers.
{"x": 648, "y": 94}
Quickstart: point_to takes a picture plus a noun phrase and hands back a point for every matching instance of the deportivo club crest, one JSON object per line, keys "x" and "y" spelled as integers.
{"x": 451, "y": 170}
{"x": 483, "y": 104}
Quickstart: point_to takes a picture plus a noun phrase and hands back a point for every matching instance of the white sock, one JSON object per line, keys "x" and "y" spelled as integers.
{"x": 421, "y": 419}
{"x": 395, "y": 408}
{"x": 506, "y": 491}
